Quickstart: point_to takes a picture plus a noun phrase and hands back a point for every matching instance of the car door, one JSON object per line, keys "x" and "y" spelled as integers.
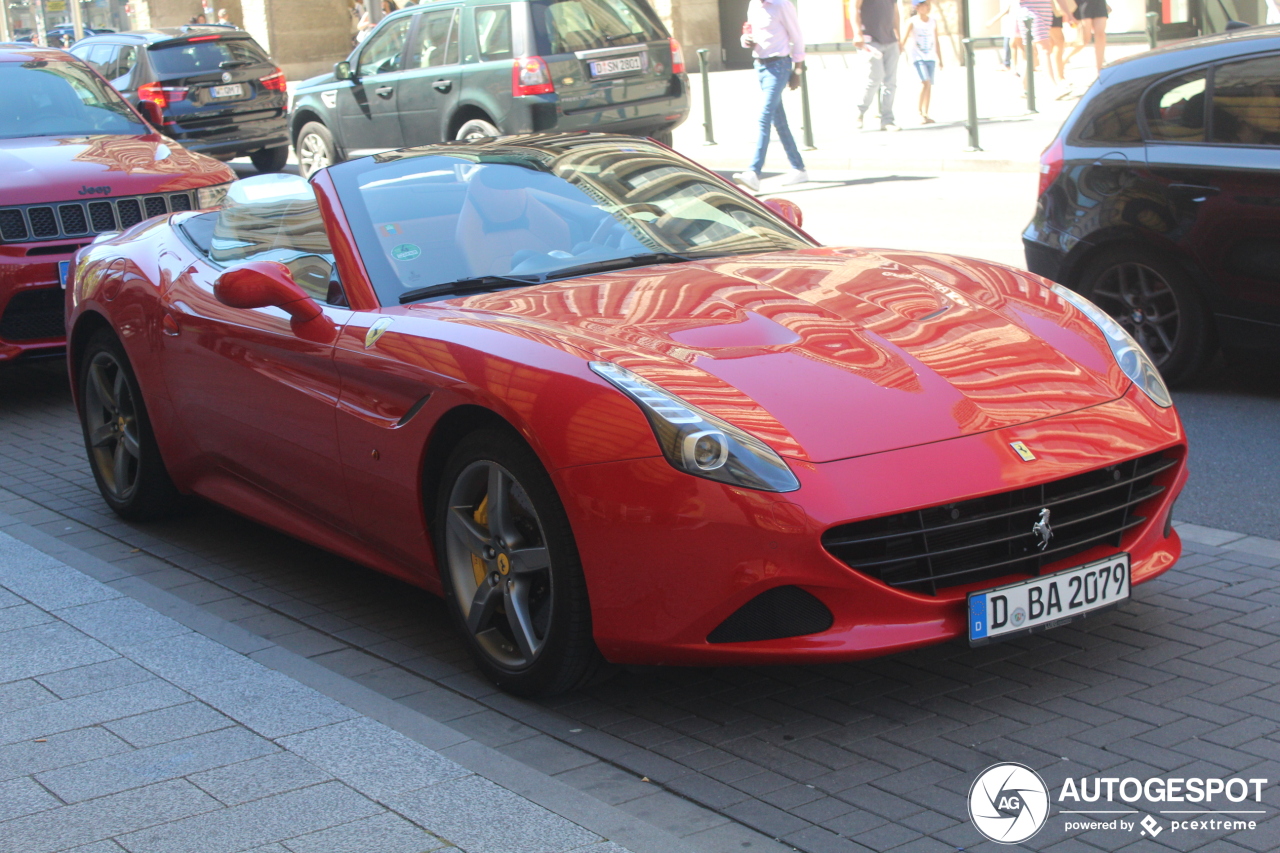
{"x": 430, "y": 84}
{"x": 368, "y": 109}
{"x": 1217, "y": 153}
{"x": 258, "y": 398}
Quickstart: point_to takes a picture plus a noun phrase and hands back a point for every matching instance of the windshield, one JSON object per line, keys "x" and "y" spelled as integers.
{"x": 422, "y": 218}
{"x": 567, "y": 26}
{"x": 59, "y": 98}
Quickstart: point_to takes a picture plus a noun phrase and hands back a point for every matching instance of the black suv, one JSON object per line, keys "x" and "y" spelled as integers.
{"x": 464, "y": 69}
{"x": 220, "y": 93}
{"x": 1160, "y": 199}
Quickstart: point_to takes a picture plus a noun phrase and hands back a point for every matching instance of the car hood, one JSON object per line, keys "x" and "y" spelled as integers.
{"x": 311, "y": 82}
{"x": 832, "y": 353}
{"x": 63, "y": 168}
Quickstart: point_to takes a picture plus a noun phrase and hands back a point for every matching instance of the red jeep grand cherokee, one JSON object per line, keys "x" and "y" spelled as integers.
{"x": 75, "y": 161}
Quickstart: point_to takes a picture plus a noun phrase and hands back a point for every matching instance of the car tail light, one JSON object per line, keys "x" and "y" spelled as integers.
{"x": 1051, "y": 162}
{"x": 275, "y": 82}
{"x": 162, "y": 95}
{"x": 531, "y": 76}
{"x": 677, "y": 57}
{"x": 204, "y": 38}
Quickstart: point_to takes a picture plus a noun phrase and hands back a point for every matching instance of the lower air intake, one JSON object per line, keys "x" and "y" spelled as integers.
{"x": 784, "y": 611}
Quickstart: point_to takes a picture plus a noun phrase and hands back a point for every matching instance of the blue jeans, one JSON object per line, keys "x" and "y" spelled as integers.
{"x": 774, "y": 74}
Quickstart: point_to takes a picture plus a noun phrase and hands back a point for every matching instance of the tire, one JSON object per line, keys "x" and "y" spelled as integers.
{"x": 523, "y": 610}
{"x": 315, "y": 148}
{"x": 477, "y": 128}
{"x": 663, "y": 136}
{"x": 270, "y": 159}
{"x": 122, "y": 448}
{"x": 1155, "y": 300}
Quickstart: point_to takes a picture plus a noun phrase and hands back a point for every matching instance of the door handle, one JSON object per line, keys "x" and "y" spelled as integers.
{"x": 1197, "y": 192}
{"x": 442, "y": 85}
{"x": 385, "y": 92}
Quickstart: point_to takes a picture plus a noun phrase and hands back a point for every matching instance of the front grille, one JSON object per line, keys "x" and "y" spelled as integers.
{"x": 35, "y": 222}
{"x": 960, "y": 543}
{"x": 33, "y": 314}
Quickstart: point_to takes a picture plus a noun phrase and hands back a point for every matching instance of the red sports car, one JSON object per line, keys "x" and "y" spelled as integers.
{"x": 75, "y": 161}
{"x": 610, "y": 406}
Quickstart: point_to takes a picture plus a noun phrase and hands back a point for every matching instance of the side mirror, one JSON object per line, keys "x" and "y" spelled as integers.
{"x": 787, "y": 209}
{"x": 342, "y": 71}
{"x": 152, "y": 113}
{"x": 260, "y": 284}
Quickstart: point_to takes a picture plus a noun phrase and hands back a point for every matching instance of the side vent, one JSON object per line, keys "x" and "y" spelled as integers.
{"x": 784, "y": 611}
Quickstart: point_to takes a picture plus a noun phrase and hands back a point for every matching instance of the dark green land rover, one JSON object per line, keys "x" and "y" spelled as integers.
{"x": 463, "y": 69}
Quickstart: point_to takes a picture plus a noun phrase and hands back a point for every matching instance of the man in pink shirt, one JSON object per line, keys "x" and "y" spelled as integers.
{"x": 772, "y": 32}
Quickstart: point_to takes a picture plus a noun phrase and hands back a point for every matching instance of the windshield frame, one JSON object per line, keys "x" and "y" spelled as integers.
{"x": 107, "y": 98}
{"x": 348, "y": 177}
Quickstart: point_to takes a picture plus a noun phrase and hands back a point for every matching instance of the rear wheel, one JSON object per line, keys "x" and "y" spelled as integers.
{"x": 117, "y": 434}
{"x": 510, "y": 568}
{"x": 270, "y": 159}
{"x": 1155, "y": 301}
{"x": 315, "y": 147}
{"x": 477, "y": 128}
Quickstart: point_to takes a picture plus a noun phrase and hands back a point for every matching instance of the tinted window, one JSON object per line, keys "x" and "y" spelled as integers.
{"x": 1246, "y": 102}
{"x": 493, "y": 32}
{"x": 1175, "y": 108}
{"x": 382, "y": 52}
{"x": 125, "y": 62}
{"x": 204, "y": 56}
{"x": 566, "y": 26}
{"x": 437, "y": 40}
{"x": 1112, "y": 116}
{"x": 60, "y": 99}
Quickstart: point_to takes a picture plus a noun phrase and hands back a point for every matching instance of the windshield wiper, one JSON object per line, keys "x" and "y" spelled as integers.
{"x": 468, "y": 285}
{"x": 622, "y": 263}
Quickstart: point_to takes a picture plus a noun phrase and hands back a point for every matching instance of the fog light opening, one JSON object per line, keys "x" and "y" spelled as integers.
{"x": 707, "y": 450}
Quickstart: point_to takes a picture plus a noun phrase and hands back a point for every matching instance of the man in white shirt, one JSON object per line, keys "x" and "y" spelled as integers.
{"x": 772, "y": 32}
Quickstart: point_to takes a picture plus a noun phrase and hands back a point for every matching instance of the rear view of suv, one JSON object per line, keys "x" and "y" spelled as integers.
{"x": 219, "y": 92}
{"x": 463, "y": 69}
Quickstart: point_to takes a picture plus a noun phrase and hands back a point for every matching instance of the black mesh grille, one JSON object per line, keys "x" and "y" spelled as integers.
{"x": 155, "y": 206}
{"x": 784, "y": 611}
{"x": 130, "y": 210}
{"x": 180, "y": 201}
{"x": 33, "y": 314}
{"x": 12, "y": 225}
{"x": 73, "y": 221}
{"x": 42, "y": 222}
{"x": 101, "y": 216}
{"x": 991, "y": 537}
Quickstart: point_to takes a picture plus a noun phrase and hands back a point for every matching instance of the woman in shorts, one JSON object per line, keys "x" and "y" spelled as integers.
{"x": 1092, "y": 15}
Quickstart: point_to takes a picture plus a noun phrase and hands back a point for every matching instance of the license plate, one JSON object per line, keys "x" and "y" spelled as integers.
{"x": 64, "y": 267}
{"x": 1045, "y": 602}
{"x": 617, "y": 65}
{"x": 235, "y": 90}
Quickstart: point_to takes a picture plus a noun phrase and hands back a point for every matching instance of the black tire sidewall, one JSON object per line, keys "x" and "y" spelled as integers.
{"x": 269, "y": 160}
{"x": 1196, "y": 339}
{"x": 570, "y": 654}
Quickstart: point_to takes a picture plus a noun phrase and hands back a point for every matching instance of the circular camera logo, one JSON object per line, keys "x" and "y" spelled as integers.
{"x": 1008, "y": 803}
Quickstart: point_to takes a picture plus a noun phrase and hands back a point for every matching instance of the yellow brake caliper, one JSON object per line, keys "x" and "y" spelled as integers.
{"x": 481, "y": 517}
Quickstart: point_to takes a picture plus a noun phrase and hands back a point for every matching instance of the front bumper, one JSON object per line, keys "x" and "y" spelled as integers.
{"x": 31, "y": 301}
{"x": 668, "y": 557}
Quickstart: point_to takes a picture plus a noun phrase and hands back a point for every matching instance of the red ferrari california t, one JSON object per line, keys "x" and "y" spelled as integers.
{"x": 75, "y": 161}
{"x": 609, "y": 406}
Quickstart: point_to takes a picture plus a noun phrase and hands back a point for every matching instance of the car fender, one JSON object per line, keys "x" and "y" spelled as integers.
{"x": 308, "y": 112}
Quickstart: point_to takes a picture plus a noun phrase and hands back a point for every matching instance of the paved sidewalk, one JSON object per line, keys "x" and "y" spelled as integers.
{"x": 1010, "y": 138}
{"x": 123, "y": 729}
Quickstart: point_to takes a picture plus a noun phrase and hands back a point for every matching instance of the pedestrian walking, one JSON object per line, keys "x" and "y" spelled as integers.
{"x": 1042, "y": 14}
{"x": 920, "y": 40}
{"x": 224, "y": 18}
{"x": 1092, "y": 15}
{"x": 877, "y": 21}
{"x": 1010, "y": 18}
{"x": 772, "y": 32}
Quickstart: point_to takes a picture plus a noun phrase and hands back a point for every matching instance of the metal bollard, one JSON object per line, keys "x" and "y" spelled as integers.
{"x": 807, "y": 134}
{"x": 1153, "y": 20}
{"x": 706, "y": 98}
{"x": 1031, "y": 70}
{"x": 973, "y": 95}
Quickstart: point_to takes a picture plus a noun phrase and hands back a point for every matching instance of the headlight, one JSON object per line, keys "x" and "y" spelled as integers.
{"x": 209, "y": 197}
{"x": 699, "y": 443}
{"x": 1132, "y": 358}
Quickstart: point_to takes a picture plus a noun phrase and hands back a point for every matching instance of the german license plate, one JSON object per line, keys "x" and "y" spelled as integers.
{"x": 1044, "y": 602}
{"x": 616, "y": 65}
{"x": 235, "y": 90}
{"x": 64, "y": 267}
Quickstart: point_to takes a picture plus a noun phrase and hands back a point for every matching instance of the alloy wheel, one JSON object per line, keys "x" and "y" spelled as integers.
{"x": 499, "y": 564}
{"x": 1141, "y": 300}
{"x": 313, "y": 154}
{"x": 113, "y": 426}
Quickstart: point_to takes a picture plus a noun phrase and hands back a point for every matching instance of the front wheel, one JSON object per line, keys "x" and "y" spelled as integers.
{"x": 510, "y": 569}
{"x": 270, "y": 159}
{"x": 122, "y": 448}
{"x": 1156, "y": 302}
{"x": 477, "y": 128}
{"x": 316, "y": 149}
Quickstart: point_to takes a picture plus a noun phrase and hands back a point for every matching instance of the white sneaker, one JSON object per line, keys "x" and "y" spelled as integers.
{"x": 750, "y": 180}
{"x": 891, "y": 127}
{"x": 795, "y": 176}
